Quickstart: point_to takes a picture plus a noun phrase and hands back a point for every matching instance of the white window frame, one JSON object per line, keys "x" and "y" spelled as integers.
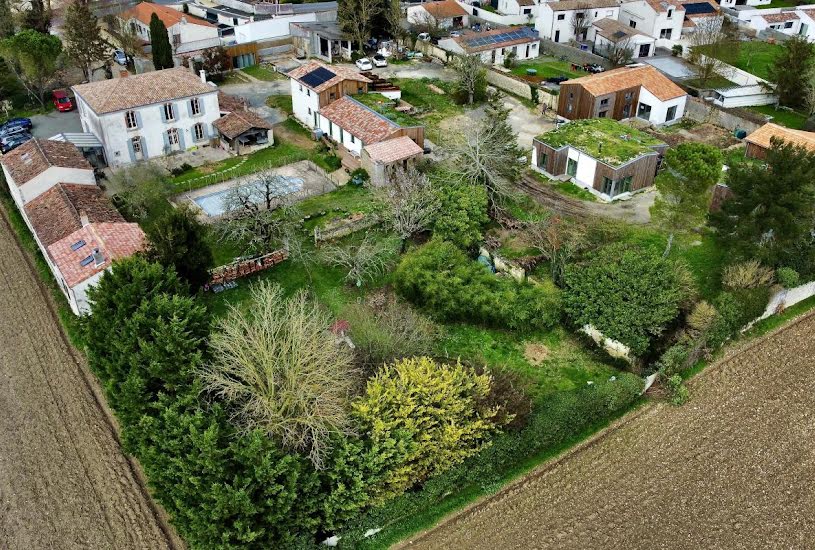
{"x": 169, "y": 112}
{"x": 136, "y": 142}
{"x": 195, "y": 106}
{"x": 196, "y": 130}
{"x": 172, "y": 137}
{"x": 131, "y": 122}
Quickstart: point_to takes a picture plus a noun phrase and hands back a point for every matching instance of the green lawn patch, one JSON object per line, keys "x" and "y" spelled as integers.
{"x": 263, "y": 73}
{"x": 603, "y": 138}
{"x": 755, "y": 57}
{"x": 387, "y": 108}
{"x": 282, "y": 102}
{"x": 569, "y": 188}
{"x": 432, "y": 108}
{"x": 783, "y": 4}
{"x": 547, "y": 68}
{"x": 784, "y": 117}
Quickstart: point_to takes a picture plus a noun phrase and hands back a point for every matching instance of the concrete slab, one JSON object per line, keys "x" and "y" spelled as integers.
{"x": 674, "y": 67}
{"x": 46, "y": 126}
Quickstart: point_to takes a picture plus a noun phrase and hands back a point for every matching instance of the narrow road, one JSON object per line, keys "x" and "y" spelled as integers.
{"x": 731, "y": 469}
{"x": 64, "y": 481}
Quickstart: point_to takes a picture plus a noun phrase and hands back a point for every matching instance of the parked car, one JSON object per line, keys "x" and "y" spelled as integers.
{"x": 12, "y": 142}
{"x": 454, "y": 34}
{"x": 594, "y": 68}
{"x": 62, "y": 101}
{"x": 120, "y": 57}
{"x": 557, "y": 79}
{"x": 380, "y": 61}
{"x": 385, "y": 51}
{"x": 15, "y": 126}
{"x": 364, "y": 64}
{"x": 424, "y": 36}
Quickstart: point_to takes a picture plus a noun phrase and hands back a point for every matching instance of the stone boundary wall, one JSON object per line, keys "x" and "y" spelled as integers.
{"x": 703, "y": 111}
{"x": 572, "y": 54}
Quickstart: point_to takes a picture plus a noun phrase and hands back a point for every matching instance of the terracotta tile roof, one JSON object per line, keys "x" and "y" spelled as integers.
{"x": 38, "y": 155}
{"x": 780, "y": 17}
{"x": 613, "y": 30}
{"x": 169, "y": 16}
{"x": 569, "y": 5}
{"x": 340, "y": 74}
{"x": 526, "y": 2}
{"x": 112, "y": 240}
{"x": 59, "y": 211}
{"x": 360, "y": 121}
{"x": 118, "y": 94}
{"x": 763, "y": 135}
{"x": 444, "y": 9}
{"x": 629, "y": 77}
{"x": 662, "y": 6}
{"x": 230, "y": 103}
{"x": 393, "y": 150}
{"x": 234, "y": 124}
{"x": 512, "y": 36}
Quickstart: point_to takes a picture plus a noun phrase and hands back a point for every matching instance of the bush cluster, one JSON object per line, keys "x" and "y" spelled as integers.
{"x": 440, "y": 278}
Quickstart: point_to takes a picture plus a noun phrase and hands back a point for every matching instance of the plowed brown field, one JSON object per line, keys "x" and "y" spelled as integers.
{"x": 732, "y": 469}
{"x": 64, "y": 482}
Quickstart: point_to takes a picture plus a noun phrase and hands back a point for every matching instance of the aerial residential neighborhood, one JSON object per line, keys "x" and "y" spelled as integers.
{"x": 380, "y": 274}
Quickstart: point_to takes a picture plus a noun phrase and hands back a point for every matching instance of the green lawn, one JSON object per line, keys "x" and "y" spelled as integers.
{"x": 282, "y": 102}
{"x": 790, "y": 119}
{"x": 547, "y": 67}
{"x": 432, "y": 107}
{"x": 262, "y": 73}
{"x": 569, "y": 188}
{"x": 386, "y": 107}
{"x": 783, "y": 4}
{"x": 755, "y": 57}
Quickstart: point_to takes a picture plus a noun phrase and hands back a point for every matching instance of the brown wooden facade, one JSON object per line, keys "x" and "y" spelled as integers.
{"x": 641, "y": 170}
{"x": 755, "y": 151}
{"x": 416, "y": 133}
{"x": 343, "y": 88}
{"x": 575, "y": 102}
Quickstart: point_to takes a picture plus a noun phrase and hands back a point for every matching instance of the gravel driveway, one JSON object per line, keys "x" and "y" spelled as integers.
{"x": 64, "y": 482}
{"x": 731, "y": 469}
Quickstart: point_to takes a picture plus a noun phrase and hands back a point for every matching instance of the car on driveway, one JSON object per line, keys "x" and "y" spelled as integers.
{"x": 62, "y": 101}
{"x": 557, "y": 79}
{"x": 380, "y": 61}
{"x": 364, "y": 64}
{"x": 15, "y": 126}
{"x": 120, "y": 57}
{"x": 10, "y": 143}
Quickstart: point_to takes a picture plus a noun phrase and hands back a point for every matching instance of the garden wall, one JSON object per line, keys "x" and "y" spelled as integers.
{"x": 786, "y": 298}
{"x": 572, "y": 54}
{"x": 509, "y": 83}
{"x": 702, "y": 111}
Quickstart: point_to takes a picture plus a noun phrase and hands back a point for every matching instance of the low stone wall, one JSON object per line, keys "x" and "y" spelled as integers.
{"x": 572, "y": 54}
{"x": 509, "y": 83}
{"x": 786, "y": 298}
{"x": 703, "y": 111}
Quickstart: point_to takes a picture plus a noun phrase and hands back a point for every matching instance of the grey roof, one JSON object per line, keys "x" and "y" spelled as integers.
{"x": 82, "y": 140}
{"x": 329, "y": 31}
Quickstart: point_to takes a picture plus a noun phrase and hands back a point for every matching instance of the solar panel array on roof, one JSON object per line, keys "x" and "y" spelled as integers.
{"x": 317, "y": 77}
{"x": 475, "y": 41}
{"x": 697, "y": 8}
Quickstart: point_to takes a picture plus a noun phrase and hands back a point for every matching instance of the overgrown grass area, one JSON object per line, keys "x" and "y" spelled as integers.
{"x": 783, "y": 4}
{"x": 282, "y": 102}
{"x": 755, "y": 57}
{"x": 386, "y": 107}
{"x": 263, "y": 73}
{"x": 432, "y": 106}
{"x": 784, "y": 117}
{"x": 546, "y": 68}
{"x": 569, "y": 188}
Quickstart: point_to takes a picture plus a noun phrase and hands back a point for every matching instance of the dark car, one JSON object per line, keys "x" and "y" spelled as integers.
{"x": 15, "y": 126}
{"x": 12, "y": 142}
{"x": 557, "y": 79}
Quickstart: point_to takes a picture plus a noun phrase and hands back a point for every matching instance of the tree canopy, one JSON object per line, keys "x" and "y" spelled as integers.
{"x": 791, "y": 69}
{"x": 84, "y": 44}
{"x": 160, "y": 43}
{"x": 34, "y": 59}
{"x": 178, "y": 240}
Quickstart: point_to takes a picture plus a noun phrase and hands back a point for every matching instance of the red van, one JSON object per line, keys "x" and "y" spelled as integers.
{"x": 62, "y": 101}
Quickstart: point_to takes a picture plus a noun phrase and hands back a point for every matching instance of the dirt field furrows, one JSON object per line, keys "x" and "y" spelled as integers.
{"x": 732, "y": 469}
{"x": 64, "y": 482}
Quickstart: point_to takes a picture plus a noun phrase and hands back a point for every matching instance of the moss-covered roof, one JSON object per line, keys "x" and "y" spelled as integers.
{"x": 386, "y": 108}
{"x": 603, "y": 138}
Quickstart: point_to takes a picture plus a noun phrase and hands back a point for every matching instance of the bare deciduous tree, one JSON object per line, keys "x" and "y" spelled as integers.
{"x": 471, "y": 75}
{"x": 710, "y": 49}
{"x": 395, "y": 15}
{"x": 426, "y": 22}
{"x": 363, "y": 262}
{"x": 581, "y": 21}
{"x": 410, "y": 202}
{"x": 557, "y": 240}
{"x": 355, "y": 18}
{"x": 257, "y": 214}
{"x": 279, "y": 369}
{"x": 619, "y": 53}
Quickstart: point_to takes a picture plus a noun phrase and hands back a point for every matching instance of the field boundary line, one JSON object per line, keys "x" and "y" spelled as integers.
{"x": 173, "y": 540}
{"x": 540, "y": 471}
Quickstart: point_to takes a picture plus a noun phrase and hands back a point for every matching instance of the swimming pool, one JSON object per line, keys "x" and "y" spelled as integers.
{"x": 213, "y": 204}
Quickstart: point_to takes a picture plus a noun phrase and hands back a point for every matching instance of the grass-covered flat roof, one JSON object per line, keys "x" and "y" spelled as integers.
{"x": 387, "y": 108}
{"x": 603, "y": 138}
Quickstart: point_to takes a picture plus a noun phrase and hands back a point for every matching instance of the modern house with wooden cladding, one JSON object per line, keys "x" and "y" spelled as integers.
{"x": 608, "y": 158}
{"x": 761, "y": 140}
{"x": 639, "y": 91}
{"x": 315, "y": 85}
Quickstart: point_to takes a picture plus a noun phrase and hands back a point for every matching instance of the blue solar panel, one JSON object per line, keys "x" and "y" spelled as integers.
{"x": 86, "y": 261}
{"x": 475, "y": 40}
{"x": 77, "y": 245}
{"x": 317, "y": 77}
{"x": 697, "y": 8}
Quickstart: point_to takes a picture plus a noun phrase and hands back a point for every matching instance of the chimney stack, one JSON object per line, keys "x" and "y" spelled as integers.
{"x": 83, "y": 218}
{"x": 203, "y": 75}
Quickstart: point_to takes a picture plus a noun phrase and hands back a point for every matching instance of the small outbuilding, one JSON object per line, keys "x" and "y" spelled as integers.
{"x": 382, "y": 158}
{"x": 242, "y": 132}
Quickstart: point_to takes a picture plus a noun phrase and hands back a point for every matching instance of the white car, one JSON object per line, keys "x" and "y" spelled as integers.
{"x": 454, "y": 34}
{"x": 364, "y": 64}
{"x": 424, "y": 36}
{"x": 120, "y": 57}
{"x": 380, "y": 61}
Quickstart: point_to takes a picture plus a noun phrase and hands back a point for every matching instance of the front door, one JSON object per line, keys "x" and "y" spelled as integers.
{"x": 557, "y": 36}
{"x": 571, "y": 167}
{"x": 138, "y": 152}
{"x": 645, "y": 49}
{"x": 172, "y": 139}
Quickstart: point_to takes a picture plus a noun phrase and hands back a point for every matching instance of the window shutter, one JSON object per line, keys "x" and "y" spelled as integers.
{"x": 201, "y": 109}
{"x": 166, "y": 140}
{"x": 161, "y": 109}
{"x": 189, "y": 108}
{"x": 131, "y": 151}
{"x": 138, "y": 119}
{"x": 181, "y": 135}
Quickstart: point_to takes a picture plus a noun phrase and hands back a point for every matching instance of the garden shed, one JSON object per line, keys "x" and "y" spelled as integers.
{"x": 243, "y": 132}
{"x": 381, "y": 158}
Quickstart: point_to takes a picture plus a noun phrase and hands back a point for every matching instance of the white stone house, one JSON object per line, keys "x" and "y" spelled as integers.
{"x": 610, "y": 37}
{"x": 316, "y": 85}
{"x": 528, "y": 8}
{"x": 186, "y": 32}
{"x": 734, "y": 3}
{"x": 557, "y": 20}
{"x": 76, "y": 227}
{"x": 661, "y": 19}
{"x": 495, "y": 45}
{"x": 149, "y": 115}
{"x": 442, "y": 14}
